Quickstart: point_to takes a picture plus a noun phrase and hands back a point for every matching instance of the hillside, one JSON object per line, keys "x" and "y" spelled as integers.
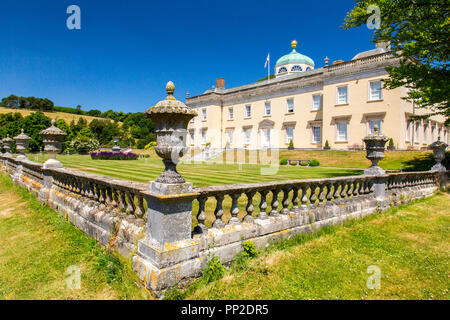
{"x": 67, "y": 117}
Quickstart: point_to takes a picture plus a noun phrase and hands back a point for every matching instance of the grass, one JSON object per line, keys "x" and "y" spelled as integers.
{"x": 37, "y": 247}
{"x": 67, "y": 117}
{"x": 410, "y": 245}
{"x": 145, "y": 170}
{"x": 337, "y": 158}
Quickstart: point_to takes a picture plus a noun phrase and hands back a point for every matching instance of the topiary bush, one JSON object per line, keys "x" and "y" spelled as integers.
{"x": 314, "y": 163}
{"x": 283, "y": 162}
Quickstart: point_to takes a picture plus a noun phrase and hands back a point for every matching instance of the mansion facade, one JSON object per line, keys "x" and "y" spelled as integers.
{"x": 340, "y": 103}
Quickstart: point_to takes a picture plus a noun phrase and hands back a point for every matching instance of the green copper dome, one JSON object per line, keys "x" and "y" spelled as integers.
{"x": 294, "y": 57}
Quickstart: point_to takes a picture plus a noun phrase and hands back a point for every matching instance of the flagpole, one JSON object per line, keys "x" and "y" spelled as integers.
{"x": 268, "y": 70}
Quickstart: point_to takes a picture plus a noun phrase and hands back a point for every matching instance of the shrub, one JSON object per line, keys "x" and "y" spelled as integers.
{"x": 314, "y": 163}
{"x": 327, "y": 144}
{"x": 84, "y": 145}
{"x": 151, "y": 145}
{"x": 391, "y": 142}
{"x": 214, "y": 270}
{"x": 249, "y": 249}
{"x": 107, "y": 155}
{"x": 283, "y": 162}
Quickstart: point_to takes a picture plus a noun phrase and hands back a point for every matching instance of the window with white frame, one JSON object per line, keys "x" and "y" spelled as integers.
{"x": 425, "y": 133}
{"x": 290, "y": 105}
{"x": 317, "y": 102}
{"x": 248, "y": 111}
{"x": 408, "y": 130}
{"x": 316, "y": 134}
{"x": 371, "y": 123}
{"x": 375, "y": 90}
{"x": 433, "y": 132}
{"x": 204, "y": 114}
{"x": 229, "y": 136}
{"x": 341, "y": 130}
{"x": 417, "y": 132}
{"x": 230, "y": 113}
{"x": 342, "y": 95}
{"x": 440, "y": 132}
{"x": 289, "y": 134}
{"x": 204, "y": 131}
{"x": 267, "y": 108}
{"x": 247, "y": 135}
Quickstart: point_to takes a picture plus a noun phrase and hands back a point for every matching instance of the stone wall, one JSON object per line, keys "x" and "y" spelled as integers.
{"x": 156, "y": 230}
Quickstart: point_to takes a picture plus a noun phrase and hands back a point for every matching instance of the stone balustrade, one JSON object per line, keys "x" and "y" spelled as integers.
{"x": 285, "y": 197}
{"x": 171, "y": 229}
{"x": 370, "y": 60}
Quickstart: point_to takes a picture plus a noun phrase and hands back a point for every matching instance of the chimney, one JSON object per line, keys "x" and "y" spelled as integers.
{"x": 220, "y": 83}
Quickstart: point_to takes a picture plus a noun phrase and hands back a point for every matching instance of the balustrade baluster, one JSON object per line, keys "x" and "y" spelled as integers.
{"x": 321, "y": 192}
{"x": 312, "y": 196}
{"x": 305, "y": 188}
{"x": 274, "y": 205}
{"x": 130, "y": 205}
{"x": 295, "y": 199}
{"x": 234, "y": 208}
{"x": 286, "y": 201}
{"x": 140, "y": 210}
{"x": 250, "y": 208}
{"x": 263, "y": 205}
{"x": 201, "y": 214}
{"x": 218, "y": 212}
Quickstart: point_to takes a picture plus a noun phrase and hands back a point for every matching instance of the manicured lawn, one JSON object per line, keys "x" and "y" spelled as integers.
{"x": 37, "y": 247}
{"x": 335, "y": 158}
{"x": 410, "y": 246}
{"x": 145, "y": 170}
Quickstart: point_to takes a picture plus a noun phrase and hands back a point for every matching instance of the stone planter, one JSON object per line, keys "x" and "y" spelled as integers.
{"x": 171, "y": 118}
{"x": 22, "y": 143}
{"x": 116, "y": 148}
{"x": 53, "y": 138}
{"x": 7, "y": 145}
{"x": 375, "y": 143}
{"x": 438, "y": 148}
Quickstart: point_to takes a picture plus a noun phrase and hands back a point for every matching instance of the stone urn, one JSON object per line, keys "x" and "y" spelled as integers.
{"x": 22, "y": 143}
{"x": 52, "y": 138}
{"x": 438, "y": 148}
{"x": 375, "y": 144}
{"x": 7, "y": 145}
{"x": 116, "y": 148}
{"x": 170, "y": 118}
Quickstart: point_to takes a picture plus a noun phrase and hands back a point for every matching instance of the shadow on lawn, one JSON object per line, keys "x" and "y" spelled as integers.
{"x": 425, "y": 162}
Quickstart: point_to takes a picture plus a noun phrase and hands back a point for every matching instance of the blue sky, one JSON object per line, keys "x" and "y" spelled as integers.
{"x": 126, "y": 51}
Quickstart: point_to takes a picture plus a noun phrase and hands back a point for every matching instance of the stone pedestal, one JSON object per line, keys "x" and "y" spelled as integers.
{"x": 438, "y": 148}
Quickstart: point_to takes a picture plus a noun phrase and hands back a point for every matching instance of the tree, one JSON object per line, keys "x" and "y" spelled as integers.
{"x": 78, "y": 109}
{"x": 419, "y": 32}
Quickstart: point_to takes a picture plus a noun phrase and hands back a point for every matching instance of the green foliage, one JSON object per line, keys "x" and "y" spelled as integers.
{"x": 249, "y": 249}
{"x": 110, "y": 265}
{"x": 31, "y": 103}
{"x": 419, "y": 33}
{"x": 283, "y": 162}
{"x": 214, "y": 270}
{"x": 272, "y": 76}
{"x": 150, "y": 146}
{"x": 291, "y": 144}
{"x": 327, "y": 144}
{"x": 314, "y": 163}
{"x": 84, "y": 145}
{"x": 391, "y": 142}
